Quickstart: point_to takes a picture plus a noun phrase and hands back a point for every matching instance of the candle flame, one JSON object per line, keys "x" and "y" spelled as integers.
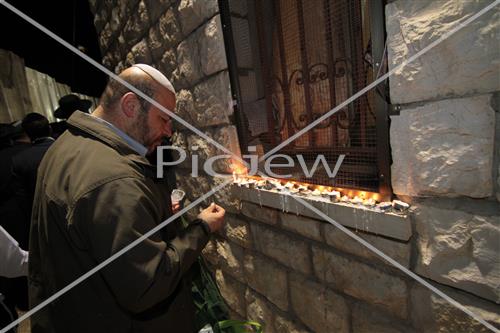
{"x": 241, "y": 171}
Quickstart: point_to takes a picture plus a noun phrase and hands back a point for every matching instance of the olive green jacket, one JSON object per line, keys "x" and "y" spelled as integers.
{"x": 94, "y": 196}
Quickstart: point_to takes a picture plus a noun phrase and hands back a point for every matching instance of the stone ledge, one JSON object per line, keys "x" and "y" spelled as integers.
{"x": 385, "y": 224}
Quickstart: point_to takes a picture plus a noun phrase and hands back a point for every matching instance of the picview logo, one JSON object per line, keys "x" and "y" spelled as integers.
{"x": 269, "y": 164}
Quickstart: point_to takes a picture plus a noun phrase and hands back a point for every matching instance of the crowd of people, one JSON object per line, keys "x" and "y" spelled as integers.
{"x": 75, "y": 192}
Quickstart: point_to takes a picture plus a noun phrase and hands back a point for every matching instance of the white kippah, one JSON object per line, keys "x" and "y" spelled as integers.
{"x": 156, "y": 75}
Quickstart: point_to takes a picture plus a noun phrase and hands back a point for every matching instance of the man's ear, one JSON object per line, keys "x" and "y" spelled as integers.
{"x": 130, "y": 105}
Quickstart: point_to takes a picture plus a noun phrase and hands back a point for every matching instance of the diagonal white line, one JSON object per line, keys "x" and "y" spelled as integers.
{"x": 117, "y": 78}
{"x": 357, "y": 95}
{"x": 115, "y": 256}
{"x": 382, "y": 78}
{"x": 395, "y": 264}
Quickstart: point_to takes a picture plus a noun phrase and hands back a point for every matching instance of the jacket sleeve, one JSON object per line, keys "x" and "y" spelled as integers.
{"x": 14, "y": 259}
{"x": 115, "y": 215}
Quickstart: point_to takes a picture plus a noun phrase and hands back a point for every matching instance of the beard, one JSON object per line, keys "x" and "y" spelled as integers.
{"x": 140, "y": 130}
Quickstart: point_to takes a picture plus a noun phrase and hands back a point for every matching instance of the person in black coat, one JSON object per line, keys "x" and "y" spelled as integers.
{"x": 25, "y": 166}
{"x": 67, "y": 105}
{"x": 13, "y": 140}
{"x": 22, "y": 172}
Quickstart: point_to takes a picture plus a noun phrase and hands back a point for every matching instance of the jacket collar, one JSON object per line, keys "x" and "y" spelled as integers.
{"x": 100, "y": 131}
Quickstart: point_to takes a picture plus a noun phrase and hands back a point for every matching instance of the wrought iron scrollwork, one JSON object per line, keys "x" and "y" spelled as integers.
{"x": 317, "y": 72}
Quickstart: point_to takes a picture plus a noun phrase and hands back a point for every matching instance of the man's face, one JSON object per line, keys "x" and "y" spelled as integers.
{"x": 155, "y": 123}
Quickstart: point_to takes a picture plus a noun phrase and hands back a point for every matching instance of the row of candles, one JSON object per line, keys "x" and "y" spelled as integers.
{"x": 367, "y": 199}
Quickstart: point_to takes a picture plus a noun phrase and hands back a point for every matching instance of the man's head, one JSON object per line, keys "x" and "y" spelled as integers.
{"x": 134, "y": 115}
{"x": 36, "y": 126}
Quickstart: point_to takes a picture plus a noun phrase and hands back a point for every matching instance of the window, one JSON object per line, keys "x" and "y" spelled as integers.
{"x": 295, "y": 60}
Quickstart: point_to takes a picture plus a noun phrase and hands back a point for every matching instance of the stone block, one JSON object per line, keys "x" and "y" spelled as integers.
{"x": 100, "y": 20}
{"x": 366, "y": 319}
{"x": 177, "y": 79}
{"x": 108, "y": 61}
{"x": 259, "y": 213}
{"x": 459, "y": 249}
{"x": 444, "y": 148}
{"x": 188, "y": 60}
{"x": 201, "y": 146}
{"x": 213, "y": 100}
{"x": 107, "y": 5}
{"x": 227, "y": 137}
{"x": 230, "y": 259}
{"x": 232, "y": 291}
{"x": 139, "y": 54}
{"x": 361, "y": 281}
{"x": 122, "y": 47}
{"x": 136, "y": 25}
{"x": 463, "y": 64}
{"x": 237, "y": 231}
{"x": 156, "y": 8}
{"x": 431, "y": 313}
{"x": 192, "y": 13}
{"x": 169, "y": 29}
{"x": 209, "y": 252}
{"x": 259, "y": 310}
{"x": 399, "y": 251}
{"x": 283, "y": 325}
{"x": 225, "y": 197}
{"x": 194, "y": 187}
{"x": 317, "y": 307}
{"x": 212, "y": 50}
{"x": 184, "y": 107}
{"x": 168, "y": 64}
{"x": 119, "y": 67}
{"x": 119, "y": 16}
{"x": 301, "y": 225}
{"x": 105, "y": 38}
{"x": 290, "y": 252}
{"x": 204, "y": 149}
{"x": 155, "y": 44}
{"x": 268, "y": 279}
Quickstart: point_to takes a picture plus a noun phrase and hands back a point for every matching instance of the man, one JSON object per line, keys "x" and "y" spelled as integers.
{"x": 68, "y": 104}
{"x": 95, "y": 195}
{"x": 23, "y": 171}
{"x": 14, "y": 141}
{"x": 25, "y": 166}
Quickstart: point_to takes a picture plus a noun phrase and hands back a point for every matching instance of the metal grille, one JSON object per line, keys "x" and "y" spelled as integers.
{"x": 312, "y": 55}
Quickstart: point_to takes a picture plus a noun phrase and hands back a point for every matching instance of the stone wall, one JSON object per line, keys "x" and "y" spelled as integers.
{"x": 295, "y": 273}
{"x": 445, "y": 142}
{"x": 300, "y": 274}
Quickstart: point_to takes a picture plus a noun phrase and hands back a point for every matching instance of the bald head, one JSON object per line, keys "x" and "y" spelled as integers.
{"x": 148, "y": 124}
{"x": 145, "y": 78}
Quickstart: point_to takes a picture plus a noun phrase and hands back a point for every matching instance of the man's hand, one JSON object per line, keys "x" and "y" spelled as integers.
{"x": 176, "y": 206}
{"x": 214, "y": 216}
